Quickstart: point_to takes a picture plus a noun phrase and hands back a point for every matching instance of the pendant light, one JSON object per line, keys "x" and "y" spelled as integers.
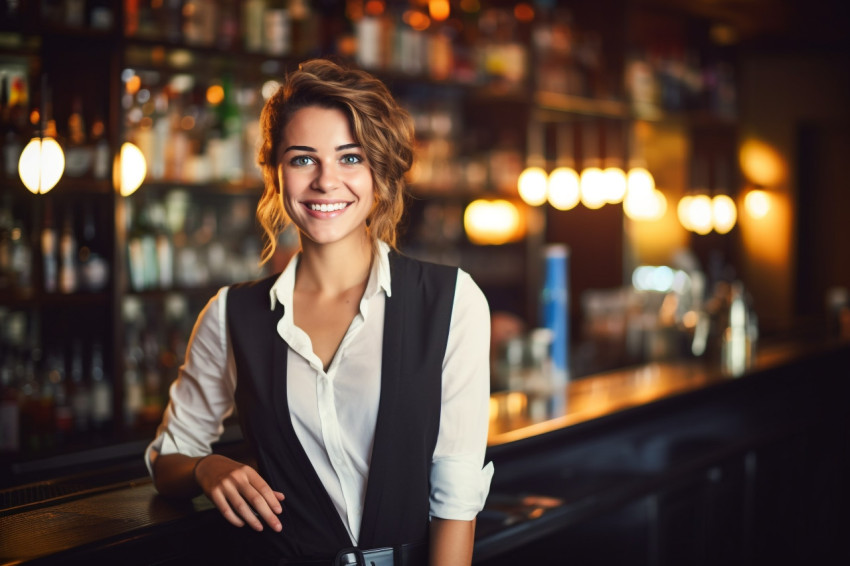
{"x": 564, "y": 187}
{"x": 42, "y": 161}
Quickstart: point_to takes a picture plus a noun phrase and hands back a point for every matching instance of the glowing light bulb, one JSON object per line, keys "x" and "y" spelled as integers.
{"x": 564, "y": 188}
{"x": 724, "y": 213}
{"x": 41, "y": 165}
{"x": 615, "y": 184}
{"x": 639, "y": 179}
{"x": 492, "y": 222}
{"x": 700, "y": 214}
{"x": 532, "y": 186}
{"x": 683, "y": 212}
{"x": 129, "y": 170}
{"x": 593, "y": 188}
{"x": 757, "y": 203}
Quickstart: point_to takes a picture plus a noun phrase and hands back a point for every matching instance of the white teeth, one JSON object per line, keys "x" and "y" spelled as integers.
{"x": 328, "y": 207}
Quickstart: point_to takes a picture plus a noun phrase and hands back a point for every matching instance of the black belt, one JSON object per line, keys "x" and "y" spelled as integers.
{"x": 401, "y": 555}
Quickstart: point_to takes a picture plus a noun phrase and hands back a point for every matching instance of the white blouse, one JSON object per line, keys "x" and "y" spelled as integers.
{"x": 334, "y": 412}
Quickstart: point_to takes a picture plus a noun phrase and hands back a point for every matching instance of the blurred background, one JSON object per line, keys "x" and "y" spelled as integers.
{"x": 679, "y": 165}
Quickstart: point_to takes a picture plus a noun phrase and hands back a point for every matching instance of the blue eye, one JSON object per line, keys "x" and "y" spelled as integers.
{"x": 301, "y": 160}
{"x": 352, "y": 159}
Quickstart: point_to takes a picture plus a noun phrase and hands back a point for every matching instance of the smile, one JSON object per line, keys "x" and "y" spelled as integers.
{"x": 327, "y": 207}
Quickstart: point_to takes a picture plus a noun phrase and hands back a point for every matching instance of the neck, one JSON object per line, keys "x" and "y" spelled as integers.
{"x": 333, "y": 269}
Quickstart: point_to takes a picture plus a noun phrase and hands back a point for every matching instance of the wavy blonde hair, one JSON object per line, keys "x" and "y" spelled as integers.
{"x": 379, "y": 124}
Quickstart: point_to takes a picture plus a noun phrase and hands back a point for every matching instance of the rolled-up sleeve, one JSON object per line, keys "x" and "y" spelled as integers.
{"x": 201, "y": 397}
{"x": 459, "y": 484}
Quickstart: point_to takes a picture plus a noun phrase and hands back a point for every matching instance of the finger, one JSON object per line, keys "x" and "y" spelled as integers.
{"x": 268, "y": 495}
{"x": 224, "y": 508}
{"x": 261, "y": 507}
{"x": 279, "y": 495}
{"x": 239, "y": 503}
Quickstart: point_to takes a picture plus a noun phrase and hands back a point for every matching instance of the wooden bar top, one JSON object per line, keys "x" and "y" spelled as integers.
{"x": 130, "y": 515}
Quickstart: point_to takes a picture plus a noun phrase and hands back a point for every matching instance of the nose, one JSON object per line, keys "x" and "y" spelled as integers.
{"x": 326, "y": 179}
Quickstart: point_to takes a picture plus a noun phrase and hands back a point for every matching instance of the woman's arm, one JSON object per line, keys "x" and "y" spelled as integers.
{"x": 236, "y": 489}
{"x": 451, "y": 542}
{"x": 201, "y": 398}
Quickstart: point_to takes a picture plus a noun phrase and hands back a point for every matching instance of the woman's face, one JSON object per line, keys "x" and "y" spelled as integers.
{"x": 326, "y": 182}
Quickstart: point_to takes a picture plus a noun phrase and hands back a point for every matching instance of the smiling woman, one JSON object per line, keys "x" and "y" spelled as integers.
{"x": 361, "y": 376}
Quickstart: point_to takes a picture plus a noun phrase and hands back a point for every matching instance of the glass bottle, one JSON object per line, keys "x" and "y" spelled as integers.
{"x": 101, "y": 391}
{"x": 80, "y": 392}
{"x": 78, "y": 154}
{"x": 49, "y": 251}
{"x": 68, "y": 280}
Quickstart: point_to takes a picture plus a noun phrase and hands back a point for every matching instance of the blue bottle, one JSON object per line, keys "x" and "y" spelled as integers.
{"x": 555, "y": 309}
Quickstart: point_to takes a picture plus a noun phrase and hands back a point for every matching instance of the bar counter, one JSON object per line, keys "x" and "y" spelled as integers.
{"x": 665, "y": 463}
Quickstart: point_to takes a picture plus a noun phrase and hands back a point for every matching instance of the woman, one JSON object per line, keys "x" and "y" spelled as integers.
{"x": 360, "y": 376}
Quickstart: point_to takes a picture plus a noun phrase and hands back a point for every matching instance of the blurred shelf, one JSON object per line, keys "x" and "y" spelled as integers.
{"x": 554, "y": 106}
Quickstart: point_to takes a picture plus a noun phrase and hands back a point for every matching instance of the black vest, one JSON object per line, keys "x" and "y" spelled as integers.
{"x": 416, "y": 327}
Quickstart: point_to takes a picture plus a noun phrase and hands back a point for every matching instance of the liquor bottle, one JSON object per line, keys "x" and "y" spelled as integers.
{"x": 101, "y": 391}
{"x": 10, "y": 412}
{"x": 68, "y": 280}
{"x": 21, "y": 257}
{"x": 164, "y": 246}
{"x": 74, "y": 13}
{"x": 49, "y": 251}
{"x": 228, "y": 25}
{"x": 10, "y": 122}
{"x": 253, "y": 12}
{"x": 101, "y": 14}
{"x": 160, "y": 135}
{"x": 6, "y": 270}
{"x": 231, "y": 123}
{"x": 133, "y": 388}
{"x": 94, "y": 268}
{"x": 101, "y": 158}
{"x": 277, "y": 28}
{"x": 80, "y": 392}
{"x": 78, "y": 154}
{"x": 63, "y": 417}
{"x": 30, "y": 403}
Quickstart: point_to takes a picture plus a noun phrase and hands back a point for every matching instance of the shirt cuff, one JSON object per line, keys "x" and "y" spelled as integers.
{"x": 165, "y": 443}
{"x": 459, "y": 487}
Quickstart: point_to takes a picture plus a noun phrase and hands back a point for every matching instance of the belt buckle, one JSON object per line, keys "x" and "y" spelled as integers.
{"x": 356, "y": 557}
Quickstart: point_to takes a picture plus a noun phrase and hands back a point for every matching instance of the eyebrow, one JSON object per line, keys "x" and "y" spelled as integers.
{"x": 313, "y": 149}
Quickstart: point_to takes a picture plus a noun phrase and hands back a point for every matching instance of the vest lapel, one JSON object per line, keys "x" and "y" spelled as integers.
{"x": 382, "y": 446}
{"x": 284, "y": 420}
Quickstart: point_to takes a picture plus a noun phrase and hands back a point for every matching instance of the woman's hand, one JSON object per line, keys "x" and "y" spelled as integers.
{"x": 238, "y": 491}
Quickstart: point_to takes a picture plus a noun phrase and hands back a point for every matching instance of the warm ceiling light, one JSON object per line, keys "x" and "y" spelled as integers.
{"x": 700, "y": 214}
{"x": 683, "y": 212}
{"x": 761, "y": 163}
{"x": 757, "y": 203}
{"x": 644, "y": 203}
{"x": 614, "y": 181}
{"x": 724, "y": 214}
{"x": 640, "y": 180}
{"x": 492, "y": 222}
{"x": 524, "y": 12}
{"x": 129, "y": 169}
{"x": 41, "y": 165}
{"x": 593, "y": 188}
{"x": 564, "y": 188}
{"x": 532, "y": 185}
{"x": 439, "y": 10}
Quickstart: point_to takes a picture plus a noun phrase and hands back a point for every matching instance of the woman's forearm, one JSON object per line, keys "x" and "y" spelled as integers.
{"x": 174, "y": 475}
{"x": 451, "y": 542}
